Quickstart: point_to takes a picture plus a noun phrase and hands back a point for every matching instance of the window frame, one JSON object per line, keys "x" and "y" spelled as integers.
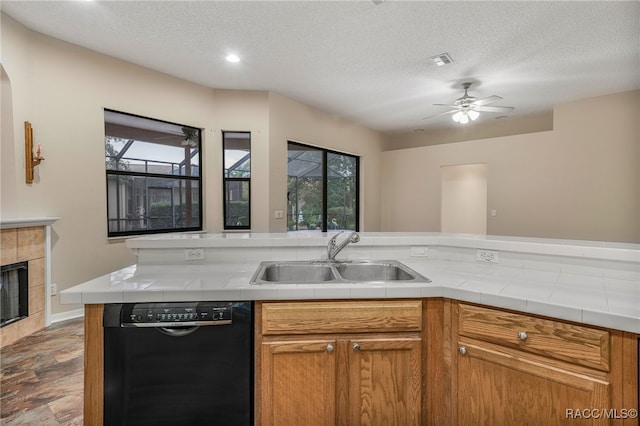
{"x": 325, "y": 152}
{"x": 226, "y": 179}
{"x": 123, "y": 173}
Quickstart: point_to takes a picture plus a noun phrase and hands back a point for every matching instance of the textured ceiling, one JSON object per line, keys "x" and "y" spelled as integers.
{"x": 365, "y": 62}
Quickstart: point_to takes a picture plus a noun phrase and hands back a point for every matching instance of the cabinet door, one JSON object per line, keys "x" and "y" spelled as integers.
{"x": 384, "y": 381}
{"x": 507, "y": 388}
{"x": 298, "y": 383}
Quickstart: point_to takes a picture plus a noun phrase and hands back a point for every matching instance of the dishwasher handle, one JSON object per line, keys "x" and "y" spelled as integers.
{"x": 177, "y": 331}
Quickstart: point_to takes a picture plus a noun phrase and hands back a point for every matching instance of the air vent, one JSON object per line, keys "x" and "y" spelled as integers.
{"x": 377, "y": 2}
{"x": 442, "y": 59}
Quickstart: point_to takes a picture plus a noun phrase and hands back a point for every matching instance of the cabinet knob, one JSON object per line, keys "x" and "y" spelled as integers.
{"x": 463, "y": 350}
{"x": 356, "y": 347}
{"x": 522, "y": 336}
{"x": 329, "y": 347}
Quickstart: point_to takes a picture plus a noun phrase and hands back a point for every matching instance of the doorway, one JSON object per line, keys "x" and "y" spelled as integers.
{"x": 464, "y": 199}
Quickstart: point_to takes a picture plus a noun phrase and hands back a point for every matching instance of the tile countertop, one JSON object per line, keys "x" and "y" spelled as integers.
{"x": 587, "y": 282}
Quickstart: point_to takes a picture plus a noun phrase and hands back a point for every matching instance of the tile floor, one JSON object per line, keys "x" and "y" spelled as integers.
{"x": 41, "y": 377}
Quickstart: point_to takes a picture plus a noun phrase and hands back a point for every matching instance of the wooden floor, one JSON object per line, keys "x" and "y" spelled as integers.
{"x": 41, "y": 377}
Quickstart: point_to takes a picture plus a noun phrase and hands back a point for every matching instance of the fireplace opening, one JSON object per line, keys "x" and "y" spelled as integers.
{"x": 14, "y": 293}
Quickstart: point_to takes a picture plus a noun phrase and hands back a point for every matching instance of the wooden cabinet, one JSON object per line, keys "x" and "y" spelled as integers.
{"x": 299, "y": 382}
{"x": 510, "y": 368}
{"x": 574, "y": 343}
{"x": 339, "y": 363}
{"x": 497, "y": 386}
{"x": 384, "y": 381}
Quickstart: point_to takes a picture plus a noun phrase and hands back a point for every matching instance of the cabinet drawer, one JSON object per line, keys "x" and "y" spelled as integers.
{"x": 341, "y": 317}
{"x": 574, "y": 343}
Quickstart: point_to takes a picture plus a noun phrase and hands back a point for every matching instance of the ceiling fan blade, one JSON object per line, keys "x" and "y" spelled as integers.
{"x": 487, "y": 101}
{"x": 494, "y": 109}
{"x": 447, "y": 105}
{"x": 442, "y": 113}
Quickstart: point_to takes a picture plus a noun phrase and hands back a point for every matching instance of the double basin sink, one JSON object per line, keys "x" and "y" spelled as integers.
{"x": 335, "y": 272}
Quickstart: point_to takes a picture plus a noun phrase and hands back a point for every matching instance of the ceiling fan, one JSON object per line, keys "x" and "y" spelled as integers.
{"x": 469, "y": 108}
{"x": 190, "y": 137}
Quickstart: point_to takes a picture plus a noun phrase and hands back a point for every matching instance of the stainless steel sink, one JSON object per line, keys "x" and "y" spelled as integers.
{"x": 383, "y": 271}
{"x": 294, "y": 272}
{"x": 331, "y": 272}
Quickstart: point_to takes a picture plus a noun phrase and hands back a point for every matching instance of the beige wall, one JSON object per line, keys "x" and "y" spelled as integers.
{"x": 464, "y": 199}
{"x": 62, "y": 90}
{"x": 291, "y": 120}
{"x": 579, "y": 181}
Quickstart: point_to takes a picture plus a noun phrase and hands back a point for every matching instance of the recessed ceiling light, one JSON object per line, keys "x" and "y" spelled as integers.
{"x": 232, "y": 58}
{"x": 442, "y": 59}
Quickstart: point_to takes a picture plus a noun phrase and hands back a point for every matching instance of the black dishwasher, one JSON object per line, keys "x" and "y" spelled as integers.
{"x": 178, "y": 363}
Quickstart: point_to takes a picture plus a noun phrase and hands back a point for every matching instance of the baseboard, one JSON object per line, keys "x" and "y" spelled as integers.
{"x": 63, "y": 316}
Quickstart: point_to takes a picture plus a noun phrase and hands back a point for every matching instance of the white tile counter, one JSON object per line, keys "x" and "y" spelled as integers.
{"x": 588, "y": 282}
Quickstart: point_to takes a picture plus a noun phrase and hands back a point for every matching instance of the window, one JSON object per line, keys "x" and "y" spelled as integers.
{"x": 153, "y": 175}
{"x": 322, "y": 189}
{"x": 237, "y": 179}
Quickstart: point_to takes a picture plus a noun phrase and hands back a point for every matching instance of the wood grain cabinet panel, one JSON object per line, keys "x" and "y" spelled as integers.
{"x": 556, "y": 373}
{"x": 569, "y": 342}
{"x": 340, "y": 363}
{"x": 385, "y": 381}
{"x": 299, "y": 381}
{"x": 499, "y": 387}
{"x": 93, "y": 365}
{"x": 344, "y": 316}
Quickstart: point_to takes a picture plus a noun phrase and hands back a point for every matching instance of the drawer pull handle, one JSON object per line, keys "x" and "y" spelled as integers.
{"x": 329, "y": 348}
{"x": 463, "y": 350}
{"x": 356, "y": 347}
{"x": 522, "y": 336}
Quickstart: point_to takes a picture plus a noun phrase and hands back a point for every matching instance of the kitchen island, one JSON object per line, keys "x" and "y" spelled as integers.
{"x": 589, "y": 290}
{"x": 588, "y": 282}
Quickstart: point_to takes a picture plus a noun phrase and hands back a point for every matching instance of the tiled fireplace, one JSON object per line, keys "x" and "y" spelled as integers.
{"x": 26, "y": 244}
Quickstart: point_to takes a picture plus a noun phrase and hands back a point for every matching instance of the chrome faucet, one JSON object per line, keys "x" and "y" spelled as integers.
{"x": 333, "y": 248}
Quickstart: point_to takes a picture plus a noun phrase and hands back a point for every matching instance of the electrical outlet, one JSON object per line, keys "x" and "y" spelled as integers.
{"x": 419, "y": 251}
{"x": 194, "y": 254}
{"x": 54, "y": 289}
{"x": 489, "y": 256}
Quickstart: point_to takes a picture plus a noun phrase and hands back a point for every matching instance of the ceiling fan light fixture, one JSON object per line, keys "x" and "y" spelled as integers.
{"x": 469, "y": 107}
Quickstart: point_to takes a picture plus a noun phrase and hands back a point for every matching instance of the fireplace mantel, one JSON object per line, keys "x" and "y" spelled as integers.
{"x": 10, "y": 223}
